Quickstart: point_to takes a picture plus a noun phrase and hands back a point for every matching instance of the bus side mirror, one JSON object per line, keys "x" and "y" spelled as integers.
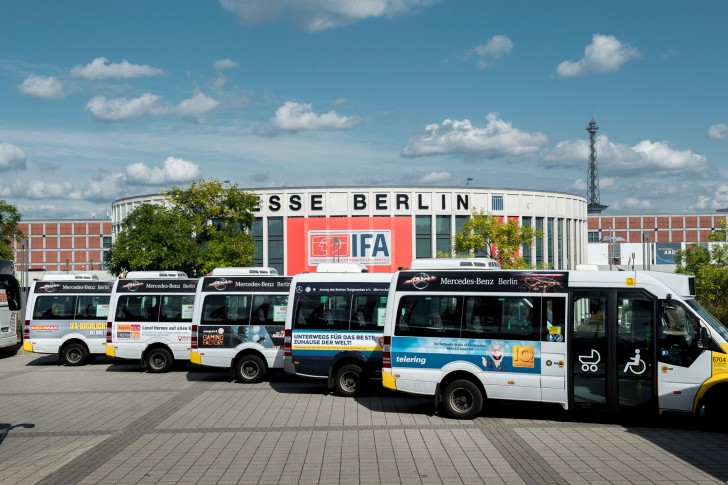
{"x": 703, "y": 338}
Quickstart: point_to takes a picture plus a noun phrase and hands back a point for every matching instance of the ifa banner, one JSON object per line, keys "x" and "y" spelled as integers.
{"x": 383, "y": 244}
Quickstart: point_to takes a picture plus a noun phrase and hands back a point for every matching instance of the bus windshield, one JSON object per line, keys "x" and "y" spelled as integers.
{"x": 714, "y": 323}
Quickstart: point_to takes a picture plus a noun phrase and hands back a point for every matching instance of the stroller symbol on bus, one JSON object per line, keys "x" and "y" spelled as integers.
{"x": 589, "y": 362}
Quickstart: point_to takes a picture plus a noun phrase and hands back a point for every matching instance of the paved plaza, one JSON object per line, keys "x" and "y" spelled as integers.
{"x": 107, "y": 422}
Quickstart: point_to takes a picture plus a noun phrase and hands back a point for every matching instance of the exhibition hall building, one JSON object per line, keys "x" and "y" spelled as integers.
{"x": 385, "y": 228}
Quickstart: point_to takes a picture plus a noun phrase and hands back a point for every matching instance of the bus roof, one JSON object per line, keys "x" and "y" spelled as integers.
{"x": 69, "y": 276}
{"x": 243, "y": 270}
{"x": 341, "y": 268}
{"x": 455, "y": 263}
{"x": 156, "y": 274}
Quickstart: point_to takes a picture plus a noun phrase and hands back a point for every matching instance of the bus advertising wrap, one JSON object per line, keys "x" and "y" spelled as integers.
{"x": 486, "y": 281}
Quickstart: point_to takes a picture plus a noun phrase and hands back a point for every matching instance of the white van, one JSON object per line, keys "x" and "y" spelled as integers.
{"x": 334, "y": 326}
{"x": 66, "y": 314}
{"x": 239, "y": 320}
{"x": 9, "y": 304}
{"x": 150, "y": 318}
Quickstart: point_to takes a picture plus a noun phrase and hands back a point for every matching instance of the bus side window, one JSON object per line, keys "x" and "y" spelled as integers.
{"x": 553, "y": 319}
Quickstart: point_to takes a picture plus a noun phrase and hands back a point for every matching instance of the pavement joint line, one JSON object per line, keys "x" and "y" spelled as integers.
{"x": 85, "y": 464}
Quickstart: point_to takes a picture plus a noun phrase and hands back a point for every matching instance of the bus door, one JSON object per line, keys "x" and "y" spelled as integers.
{"x": 612, "y": 350}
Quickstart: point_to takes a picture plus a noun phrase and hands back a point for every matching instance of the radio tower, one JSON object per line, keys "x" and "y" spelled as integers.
{"x": 592, "y": 182}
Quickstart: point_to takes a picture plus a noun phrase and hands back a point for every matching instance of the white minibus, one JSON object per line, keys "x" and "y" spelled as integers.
{"x": 9, "y": 304}
{"x": 612, "y": 341}
{"x": 66, "y": 315}
{"x": 334, "y": 326}
{"x": 150, "y": 318}
{"x": 239, "y": 320}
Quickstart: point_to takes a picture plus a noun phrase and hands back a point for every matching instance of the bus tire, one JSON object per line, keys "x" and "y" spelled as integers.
{"x": 347, "y": 380}
{"x": 250, "y": 369}
{"x": 715, "y": 409}
{"x": 462, "y": 399}
{"x": 159, "y": 360}
{"x": 74, "y": 354}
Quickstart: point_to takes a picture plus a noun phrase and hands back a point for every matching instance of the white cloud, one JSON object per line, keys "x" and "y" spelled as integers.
{"x": 718, "y": 132}
{"x": 615, "y": 159}
{"x": 42, "y": 87}
{"x": 718, "y": 200}
{"x": 117, "y": 109}
{"x": 606, "y": 53}
{"x": 221, "y": 64}
{"x": 497, "y": 139}
{"x": 317, "y": 15}
{"x": 294, "y": 117}
{"x": 41, "y": 189}
{"x": 107, "y": 186}
{"x": 175, "y": 170}
{"x": 100, "y": 68}
{"x": 11, "y": 157}
{"x": 435, "y": 177}
{"x": 631, "y": 204}
{"x": 497, "y": 47}
{"x": 199, "y": 107}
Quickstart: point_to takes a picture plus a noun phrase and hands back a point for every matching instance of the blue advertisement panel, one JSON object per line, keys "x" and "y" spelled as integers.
{"x": 491, "y": 355}
{"x": 665, "y": 252}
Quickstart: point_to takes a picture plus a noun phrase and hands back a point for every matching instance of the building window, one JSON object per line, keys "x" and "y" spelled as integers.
{"x": 496, "y": 203}
{"x": 444, "y": 236}
{"x": 526, "y": 248}
{"x": 256, "y": 230}
{"x": 459, "y": 225}
{"x": 594, "y": 236}
{"x": 275, "y": 243}
{"x": 539, "y": 242}
{"x": 568, "y": 245}
{"x": 106, "y": 242}
{"x": 560, "y": 242}
{"x": 550, "y": 236}
{"x": 423, "y": 235}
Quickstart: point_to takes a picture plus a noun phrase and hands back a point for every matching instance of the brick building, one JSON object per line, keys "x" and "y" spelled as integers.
{"x": 63, "y": 244}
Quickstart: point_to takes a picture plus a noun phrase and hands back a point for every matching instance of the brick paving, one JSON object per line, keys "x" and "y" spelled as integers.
{"x": 107, "y": 422}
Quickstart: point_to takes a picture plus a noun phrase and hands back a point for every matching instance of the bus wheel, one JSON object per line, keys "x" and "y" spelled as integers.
{"x": 462, "y": 399}
{"x": 159, "y": 360}
{"x": 715, "y": 409}
{"x": 347, "y": 380}
{"x": 249, "y": 369}
{"x": 74, "y": 354}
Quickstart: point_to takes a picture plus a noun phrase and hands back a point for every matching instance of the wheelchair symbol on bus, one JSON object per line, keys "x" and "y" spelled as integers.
{"x": 635, "y": 363}
{"x": 589, "y": 362}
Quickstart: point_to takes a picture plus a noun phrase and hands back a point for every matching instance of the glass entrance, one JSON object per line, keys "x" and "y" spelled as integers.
{"x": 612, "y": 349}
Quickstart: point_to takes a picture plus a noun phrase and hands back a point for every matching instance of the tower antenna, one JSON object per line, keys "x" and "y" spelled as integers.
{"x": 592, "y": 182}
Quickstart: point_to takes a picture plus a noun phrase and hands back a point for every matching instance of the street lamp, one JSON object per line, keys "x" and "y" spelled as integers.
{"x": 611, "y": 240}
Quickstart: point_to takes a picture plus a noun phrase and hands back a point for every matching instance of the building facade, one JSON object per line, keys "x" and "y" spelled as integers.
{"x": 385, "y": 228}
{"x": 63, "y": 245}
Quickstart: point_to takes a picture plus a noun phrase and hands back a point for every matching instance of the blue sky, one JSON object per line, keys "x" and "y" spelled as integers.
{"x": 103, "y": 100}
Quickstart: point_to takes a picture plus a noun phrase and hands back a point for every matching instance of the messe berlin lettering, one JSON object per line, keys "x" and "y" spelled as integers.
{"x": 366, "y": 202}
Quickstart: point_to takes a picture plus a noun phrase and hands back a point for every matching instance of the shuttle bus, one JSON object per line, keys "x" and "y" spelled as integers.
{"x": 239, "y": 321}
{"x": 150, "y": 318}
{"x": 334, "y": 326}
{"x": 613, "y": 341}
{"x": 9, "y": 304}
{"x": 66, "y": 315}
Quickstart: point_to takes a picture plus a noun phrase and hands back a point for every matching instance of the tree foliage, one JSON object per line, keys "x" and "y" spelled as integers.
{"x": 154, "y": 238}
{"x": 9, "y": 231}
{"x": 489, "y": 235}
{"x": 209, "y": 226}
{"x": 710, "y": 267}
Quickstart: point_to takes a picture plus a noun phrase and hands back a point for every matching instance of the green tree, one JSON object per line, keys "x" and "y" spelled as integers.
{"x": 710, "y": 267}
{"x": 484, "y": 233}
{"x": 9, "y": 231}
{"x": 221, "y": 218}
{"x": 154, "y": 237}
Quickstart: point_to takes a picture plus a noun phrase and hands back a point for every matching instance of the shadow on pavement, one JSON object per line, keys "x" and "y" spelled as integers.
{"x": 6, "y": 427}
{"x": 11, "y": 351}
